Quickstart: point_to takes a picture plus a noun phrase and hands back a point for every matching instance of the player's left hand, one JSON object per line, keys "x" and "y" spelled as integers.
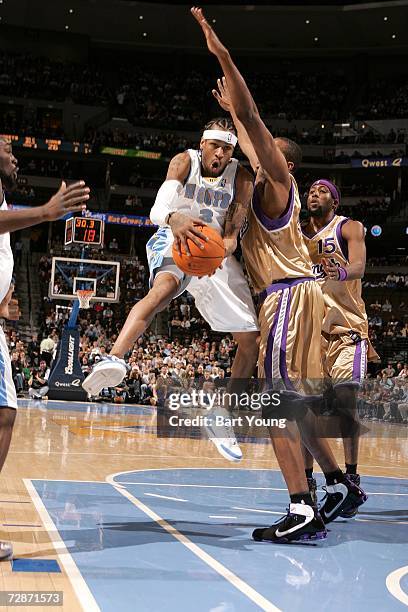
{"x": 330, "y": 269}
{"x": 213, "y": 42}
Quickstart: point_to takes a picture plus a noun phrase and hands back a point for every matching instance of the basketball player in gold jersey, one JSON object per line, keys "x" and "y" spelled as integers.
{"x": 292, "y": 308}
{"x": 337, "y": 249}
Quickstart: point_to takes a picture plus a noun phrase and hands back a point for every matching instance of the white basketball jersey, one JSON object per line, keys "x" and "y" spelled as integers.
{"x": 6, "y": 260}
{"x": 208, "y": 198}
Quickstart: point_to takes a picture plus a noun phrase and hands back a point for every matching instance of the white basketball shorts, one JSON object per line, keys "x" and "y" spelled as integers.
{"x": 223, "y": 300}
{"x": 8, "y": 396}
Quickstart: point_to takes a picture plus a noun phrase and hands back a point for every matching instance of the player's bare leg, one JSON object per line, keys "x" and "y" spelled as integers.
{"x": 287, "y": 446}
{"x": 7, "y": 418}
{"x": 308, "y": 463}
{"x": 165, "y": 287}
{"x": 111, "y": 371}
{"x": 246, "y": 355}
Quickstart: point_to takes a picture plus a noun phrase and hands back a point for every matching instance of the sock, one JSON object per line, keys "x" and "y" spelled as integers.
{"x": 309, "y": 472}
{"x": 301, "y": 498}
{"x": 334, "y": 477}
{"x": 351, "y": 468}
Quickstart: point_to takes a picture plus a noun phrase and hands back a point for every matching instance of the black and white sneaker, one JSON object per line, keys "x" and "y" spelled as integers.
{"x": 301, "y": 524}
{"x": 312, "y": 484}
{"x": 342, "y": 497}
{"x": 355, "y": 478}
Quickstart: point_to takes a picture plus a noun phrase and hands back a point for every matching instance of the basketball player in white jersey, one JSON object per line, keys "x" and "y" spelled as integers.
{"x": 337, "y": 249}
{"x": 66, "y": 200}
{"x": 205, "y": 186}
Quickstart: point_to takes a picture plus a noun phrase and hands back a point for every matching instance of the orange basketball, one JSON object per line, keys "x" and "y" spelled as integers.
{"x": 202, "y": 261}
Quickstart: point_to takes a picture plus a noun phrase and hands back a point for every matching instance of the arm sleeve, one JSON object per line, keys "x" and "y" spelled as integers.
{"x": 166, "y": 201}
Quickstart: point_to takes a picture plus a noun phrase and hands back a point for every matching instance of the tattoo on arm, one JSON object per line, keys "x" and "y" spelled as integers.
{"x": 235, "y": 217}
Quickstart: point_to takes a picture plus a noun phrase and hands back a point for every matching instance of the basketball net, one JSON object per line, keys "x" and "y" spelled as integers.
{"x": 84, "y": 296}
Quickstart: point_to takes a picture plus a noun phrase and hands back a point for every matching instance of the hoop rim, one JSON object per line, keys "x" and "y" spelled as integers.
{"x": 84, "y": 296}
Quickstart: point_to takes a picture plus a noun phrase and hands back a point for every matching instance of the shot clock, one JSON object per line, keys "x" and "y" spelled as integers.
{"x": 84, "y": 230}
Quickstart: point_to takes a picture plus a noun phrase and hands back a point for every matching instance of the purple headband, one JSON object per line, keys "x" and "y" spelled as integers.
{"x": 330, "y": 186}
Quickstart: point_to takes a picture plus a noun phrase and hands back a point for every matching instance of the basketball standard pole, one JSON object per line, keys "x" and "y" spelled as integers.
{"x": 75, "y": 307}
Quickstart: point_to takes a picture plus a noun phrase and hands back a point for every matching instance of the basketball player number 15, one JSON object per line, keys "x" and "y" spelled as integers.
{"x": 327, "y": 246}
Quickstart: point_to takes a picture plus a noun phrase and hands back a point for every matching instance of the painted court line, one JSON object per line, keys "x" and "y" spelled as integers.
{"x": 236, "y": 581}
{"x": 166, "y": 497}
{"x": 221, "y": 516}
{"x": 198, "y": 486}
{"x": 393, "y": 584}
{"x": 79, "y": 585}
{"x": 256, "y": 510}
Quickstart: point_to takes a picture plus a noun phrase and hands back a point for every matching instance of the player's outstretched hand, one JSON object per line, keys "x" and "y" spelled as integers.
{"x": 67, "y": 200}
{"x": 330, "y": 269}
{"x": 184, "y": 227}
{"x": 213, "y": 42}
{"x": 222, "y": 94}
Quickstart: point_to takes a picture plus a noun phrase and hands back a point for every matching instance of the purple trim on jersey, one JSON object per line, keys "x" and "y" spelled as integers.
{"x": 282, "y": 357}
{"x": 269, "y": 346}
{"x": 341, "y": 241}
{"x": 283, "y": 284}
{"x": 320, "y": 230}
{"x": 360, "y": 362}
{"x": 280, "y": 222}
{"x": 283, "y": 371}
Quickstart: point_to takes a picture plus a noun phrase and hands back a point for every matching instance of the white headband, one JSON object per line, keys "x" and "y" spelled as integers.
{"x": 227, "y": 137}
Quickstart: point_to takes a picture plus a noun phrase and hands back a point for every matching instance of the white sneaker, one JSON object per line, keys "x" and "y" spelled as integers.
{"x": 109, "y": 372}
{"x": 223, "y": 435}
{"x": 6, "y": 550}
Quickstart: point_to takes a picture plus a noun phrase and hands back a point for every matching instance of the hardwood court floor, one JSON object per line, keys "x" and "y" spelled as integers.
{"x": 65, "y": 494}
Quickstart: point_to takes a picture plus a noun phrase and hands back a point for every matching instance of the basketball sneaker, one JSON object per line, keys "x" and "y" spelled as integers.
{"x": 108, "y": 372}
{"x": 301, "y": 524}
{"x": 222, "y": 435}
{"x": 6, "y": 550}
{"x": 351, "y": 513}
{"x": 312, "y": 484}
{"x": 341, "y": 497}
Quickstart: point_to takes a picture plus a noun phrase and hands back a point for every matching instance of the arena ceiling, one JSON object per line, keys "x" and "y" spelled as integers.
{"x": 379, "y": 26}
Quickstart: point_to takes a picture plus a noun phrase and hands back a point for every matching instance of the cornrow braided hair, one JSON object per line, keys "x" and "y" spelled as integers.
{"x": 224, "y": 123}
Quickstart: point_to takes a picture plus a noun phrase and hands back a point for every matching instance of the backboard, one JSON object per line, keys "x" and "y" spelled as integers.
{"x": 70, "y": 274}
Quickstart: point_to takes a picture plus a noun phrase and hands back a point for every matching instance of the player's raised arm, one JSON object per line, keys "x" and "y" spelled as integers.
{"x": 164, "y": 211}
{"x": 224, "y": 100}
{"x": 269, "y": 155}
{"x": 353, "y": 234}
{"x": 238, "y": 209}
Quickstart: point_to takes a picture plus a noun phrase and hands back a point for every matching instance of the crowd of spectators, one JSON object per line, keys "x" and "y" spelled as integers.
{"x": 385, "y": 98}
{"x": 170, "y": 97}
{"x": 385, "y": 397}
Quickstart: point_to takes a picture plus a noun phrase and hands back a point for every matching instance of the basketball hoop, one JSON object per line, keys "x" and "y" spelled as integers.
{"x": 84, "y": 296}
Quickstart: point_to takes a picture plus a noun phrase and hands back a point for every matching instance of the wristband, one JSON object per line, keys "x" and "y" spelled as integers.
{"x": 342, "y": 274}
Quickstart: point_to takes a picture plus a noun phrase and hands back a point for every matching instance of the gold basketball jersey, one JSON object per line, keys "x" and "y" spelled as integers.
{"x": 274, "y": 249}
{"x": 344, "y": 306}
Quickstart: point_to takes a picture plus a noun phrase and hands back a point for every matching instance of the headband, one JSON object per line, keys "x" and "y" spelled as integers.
{"x": 330, "y": 186}
{"x": 227, "y": 137}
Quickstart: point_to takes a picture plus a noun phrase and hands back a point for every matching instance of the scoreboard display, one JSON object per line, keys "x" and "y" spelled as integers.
{"x": 84, "y": 230}
{"x": 48, "y": 144}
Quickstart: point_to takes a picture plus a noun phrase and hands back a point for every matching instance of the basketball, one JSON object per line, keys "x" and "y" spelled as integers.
{"x": 202, "y": 261}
